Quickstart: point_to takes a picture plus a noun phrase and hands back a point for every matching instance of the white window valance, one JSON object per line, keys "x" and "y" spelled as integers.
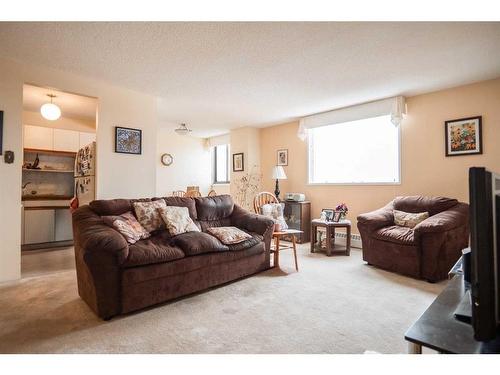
{"x": 394, "y": 106}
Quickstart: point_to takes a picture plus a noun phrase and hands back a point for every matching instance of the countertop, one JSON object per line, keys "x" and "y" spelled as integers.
{"x": 46, "y": 197}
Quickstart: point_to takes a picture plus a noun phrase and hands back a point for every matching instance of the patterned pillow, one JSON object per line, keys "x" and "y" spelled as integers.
{"x": 177, "y": 220}
{"x": 128, "y": 226}
{"x": 406, "y": 219}
{"x": 148, "y": 215}
{"x": 229, "y": 235}
{"x": 275, "y": 211}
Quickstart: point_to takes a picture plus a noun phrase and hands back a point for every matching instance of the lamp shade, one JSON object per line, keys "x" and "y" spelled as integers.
{"x": 278, "y": 173}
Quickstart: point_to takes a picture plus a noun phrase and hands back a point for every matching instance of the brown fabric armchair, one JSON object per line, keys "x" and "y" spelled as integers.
{"x": 427, "y": 251}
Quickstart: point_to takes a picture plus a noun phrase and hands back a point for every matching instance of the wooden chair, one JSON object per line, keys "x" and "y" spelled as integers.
{"x": 193, "y": 194}
{"x": 262, "y": 199}
{"x": 178, "y": 193}
{"x": 212, "y": 193}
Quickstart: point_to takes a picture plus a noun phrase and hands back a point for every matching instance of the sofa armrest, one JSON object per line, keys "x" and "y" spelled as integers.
{"x": 380, "y": 218}
{"x": 259, "y": 224}
{"x": 452, "y": 218}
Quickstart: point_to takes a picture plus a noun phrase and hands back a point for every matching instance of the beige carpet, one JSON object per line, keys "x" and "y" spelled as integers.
{"x": 333, "y": 305}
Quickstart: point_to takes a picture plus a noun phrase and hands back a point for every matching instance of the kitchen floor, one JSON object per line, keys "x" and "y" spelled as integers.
{"x": 47, "y": 261}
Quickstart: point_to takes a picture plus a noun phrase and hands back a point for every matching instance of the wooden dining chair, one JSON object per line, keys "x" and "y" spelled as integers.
{"x": 178, "y": 193}
{"x": 262, "y": 199}
{"x": 212, "y": 193}
{"x": 193, "y": 194}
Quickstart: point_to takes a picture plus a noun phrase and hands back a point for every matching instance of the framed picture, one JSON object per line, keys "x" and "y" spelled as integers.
{"x": 1, "y": 132}
{"x": 128, "y": 141}
{"x": 282, "y": 157}
{"x": 238, "y": 162}
{"x": 464, "y": 136}
{"x": 336, "y": 216}
{"x": 328, "y": 213}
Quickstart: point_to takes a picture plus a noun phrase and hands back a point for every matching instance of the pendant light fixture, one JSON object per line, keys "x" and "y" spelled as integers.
{"x": 50, "y": 111}
{"x": 182, "y": 130}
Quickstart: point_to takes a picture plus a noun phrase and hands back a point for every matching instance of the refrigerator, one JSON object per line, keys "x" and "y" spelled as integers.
{"x": 85, "y": 174}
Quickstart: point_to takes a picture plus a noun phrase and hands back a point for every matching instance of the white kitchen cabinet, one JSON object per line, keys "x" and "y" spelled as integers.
{"x": 64, "y": 229}
{"x": 38, "y": 137}
{"x": 66, "y": 140}
{"x": 39, "y": 226}
{"x": 86, "y": 138}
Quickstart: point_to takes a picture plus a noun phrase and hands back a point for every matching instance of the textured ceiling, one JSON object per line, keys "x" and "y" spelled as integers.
{"x": 71, "y": 105}
{"x": 217, "y": 76}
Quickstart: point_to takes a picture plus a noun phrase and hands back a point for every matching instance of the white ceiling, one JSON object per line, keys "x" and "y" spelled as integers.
{"x": 218, "y": 76}
{"x": 71, "y": 105}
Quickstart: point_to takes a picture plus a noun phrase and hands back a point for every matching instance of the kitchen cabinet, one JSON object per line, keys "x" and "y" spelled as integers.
{"x": 39, "y": 226}
{"x": 66, "y": 140}
{"x": 86, "y": 138}
{"x": 63, "y": 222}
{"x": 38, "y": 137}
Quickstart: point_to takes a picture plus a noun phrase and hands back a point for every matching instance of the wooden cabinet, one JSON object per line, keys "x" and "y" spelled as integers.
{"x": 86, "y": 138}
{"x": 298, "y": 216}
{"x": 39, "y": 226}
{"x": 66, "y": 140}
{"x": 38, "y": 137}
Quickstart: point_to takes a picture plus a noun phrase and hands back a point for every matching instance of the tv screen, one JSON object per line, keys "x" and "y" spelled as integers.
{"x": 484, "y": 191}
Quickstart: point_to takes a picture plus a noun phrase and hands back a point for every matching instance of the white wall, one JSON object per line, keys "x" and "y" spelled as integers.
{"x": 118, "y": 175}
{"x": 70, "y": 123}
{"x": 192, "y": 164}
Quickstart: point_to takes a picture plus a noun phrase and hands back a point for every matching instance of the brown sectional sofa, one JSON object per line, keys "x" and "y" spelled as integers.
{"x": 429, "y": 250}
{"x": 115, "y": 277}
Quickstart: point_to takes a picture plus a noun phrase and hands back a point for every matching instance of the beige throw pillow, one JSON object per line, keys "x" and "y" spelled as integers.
{"x": 229, "y": 235}
{"x": 128, "y": 226}
{"x": 177, "y": 220}
{"x": 148, "y": 215}
{"x": 406, "y": 219}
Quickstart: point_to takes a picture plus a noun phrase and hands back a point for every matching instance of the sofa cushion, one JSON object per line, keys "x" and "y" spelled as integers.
{"x": 418, "y": 203}
{"x": 148, "y": 214}
{"x": 156, "y": 249}
{"x": 195, "y": 243}
{"x": 136, "y": 275}
{"x": 395, "y": 234}
{"x": 128, "y": 226}
{"x": 104, "y": 207}
{"x": 407, "y": 219}
{"x": 254, "y": 240}
{"x": 214, "y": 208}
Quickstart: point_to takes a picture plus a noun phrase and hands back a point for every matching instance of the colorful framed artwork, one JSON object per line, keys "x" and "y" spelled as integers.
{"x": 128, "y": 141}
{"x": 464, "y": 136}
{"x": 282, "y": 157}
{"x": 238, "y": 162}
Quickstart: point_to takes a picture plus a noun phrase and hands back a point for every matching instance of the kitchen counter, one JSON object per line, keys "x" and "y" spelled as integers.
{"x": 46, "y": 197}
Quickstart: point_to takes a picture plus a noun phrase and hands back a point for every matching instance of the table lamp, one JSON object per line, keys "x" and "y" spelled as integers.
{"x": 278, "y": 174}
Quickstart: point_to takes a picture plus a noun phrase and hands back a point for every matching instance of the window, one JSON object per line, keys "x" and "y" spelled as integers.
{"x": 357, "y": 152}
{"x": 221, "y": 164}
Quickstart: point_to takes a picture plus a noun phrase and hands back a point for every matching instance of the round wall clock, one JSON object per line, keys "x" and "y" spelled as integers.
{"x": 167, "y": 159}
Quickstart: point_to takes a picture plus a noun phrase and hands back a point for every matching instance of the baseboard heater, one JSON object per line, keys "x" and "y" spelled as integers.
{"x": 341, "y": 238}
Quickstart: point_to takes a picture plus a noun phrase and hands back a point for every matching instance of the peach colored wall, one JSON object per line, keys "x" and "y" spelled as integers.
{"x": 425, "y": 169}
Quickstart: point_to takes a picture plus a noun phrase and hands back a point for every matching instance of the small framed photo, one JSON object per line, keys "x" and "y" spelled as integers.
{"x": 128, "y": 141}
{"x": 282, "y": 157}
{"x": 238, "y": 162}
{"x": 328, "y": 213}
{"x": 336, "y": 216}
{"x": 464, "y": 136}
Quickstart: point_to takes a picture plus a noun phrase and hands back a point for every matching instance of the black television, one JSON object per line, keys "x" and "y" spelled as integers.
{"x": 484, "y": 194}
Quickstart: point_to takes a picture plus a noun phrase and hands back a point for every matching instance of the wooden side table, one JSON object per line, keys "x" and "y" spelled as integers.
{"x": 330, "y": 234}
{"x": 290, "y": 233}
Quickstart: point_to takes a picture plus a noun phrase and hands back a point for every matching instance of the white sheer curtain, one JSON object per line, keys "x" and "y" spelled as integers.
{"x": 395, "y": 107}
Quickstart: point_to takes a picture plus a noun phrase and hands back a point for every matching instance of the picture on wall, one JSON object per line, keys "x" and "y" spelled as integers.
{"x": 282, "y": 157}
{"x": 128, "y": 141}
{"x": 1, "y": 132}
{"x": 464, "y": 136}
{"x": 238, "y": 162}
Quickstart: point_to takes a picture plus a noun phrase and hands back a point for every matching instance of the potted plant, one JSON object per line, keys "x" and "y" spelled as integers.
{"x": 342, "y": 208}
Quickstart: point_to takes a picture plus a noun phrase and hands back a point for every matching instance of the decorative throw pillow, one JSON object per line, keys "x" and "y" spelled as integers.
{"x": 128, "y": 226}
{"x": 177, "y": 220}
{"x": 229, "y": 235}
{"x": 275, "y": 212}
{"x": 407, "y": 219}
{"x": 148, "y": 215}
